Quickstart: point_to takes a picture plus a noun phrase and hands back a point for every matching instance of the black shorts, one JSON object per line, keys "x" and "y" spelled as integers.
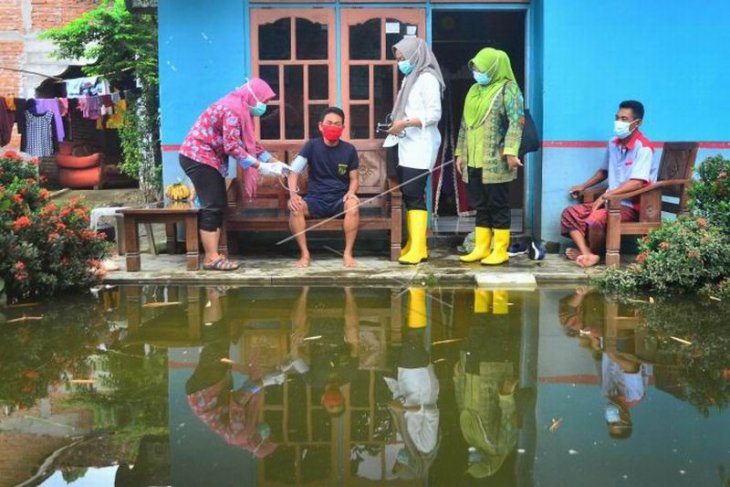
{"x": 324, "y": 208}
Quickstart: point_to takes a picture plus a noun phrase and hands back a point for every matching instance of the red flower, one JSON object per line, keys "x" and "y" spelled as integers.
{"x": 664, "y": 245}
{"x": 20, "y": 223}
{"x": 43, "y": 193}
{"x": 52, "y": 237}
{"x": 642, "y": 257}
{"x": 18, "y": 199}
{"x": 19, "y": 266}
{"x": 701, "y": 222}
{"x": 12, "y": 155}
{"x": 693, "y": 254}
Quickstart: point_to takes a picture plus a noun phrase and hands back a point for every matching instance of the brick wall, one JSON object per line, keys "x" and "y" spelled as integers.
{"x": 10, "y": 56}
{"x": 55, "y": 13}
{"x": 10, "y": 16}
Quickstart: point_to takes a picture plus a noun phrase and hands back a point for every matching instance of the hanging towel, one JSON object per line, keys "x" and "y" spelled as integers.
{"x": 90, "y": 107}
{"x": 63, "y": 103}
{"x": 6, "y": 123}
{"x": 91, "y": 86}
{"x": 117, "y": 119}
{"x": 43, "y": 105}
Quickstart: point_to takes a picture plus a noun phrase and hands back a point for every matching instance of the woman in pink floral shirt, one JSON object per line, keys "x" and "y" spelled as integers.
{"x": 226, "y": 128}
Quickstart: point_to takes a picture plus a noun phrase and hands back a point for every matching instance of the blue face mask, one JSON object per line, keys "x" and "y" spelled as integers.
{"x": 258, "y": 110}
{"x": 481, "y": 78}
{"x": 405, "y": 67}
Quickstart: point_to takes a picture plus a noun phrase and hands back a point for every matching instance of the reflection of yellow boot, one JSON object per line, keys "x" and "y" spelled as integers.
{"x": 416, "y": 308}
{"x": 482, "y": 242}
{"x": 500, "y": 302}
{"x": 482, "y": 297}
{"x": 417, "y": 236}
{"x": 407, "y": 247}
{"x": 499, "y": 252}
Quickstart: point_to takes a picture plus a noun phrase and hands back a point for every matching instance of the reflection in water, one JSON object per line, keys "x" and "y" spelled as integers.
{"x": 485, "y": 382}
{"x": 318, "y": 386}
{"x": 415, "y": 391}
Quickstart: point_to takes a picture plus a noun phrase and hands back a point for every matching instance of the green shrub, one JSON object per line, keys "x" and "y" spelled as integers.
{"x": 703, "y": 361}
{"x": 681, "y": 256}
{"x": 44, "y": 248}
{"x": 709, "y": 197}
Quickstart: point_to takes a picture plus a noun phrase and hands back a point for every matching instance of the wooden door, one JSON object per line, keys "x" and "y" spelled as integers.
{"x": 370, "y": 77}
{"x": 294, "y": 51}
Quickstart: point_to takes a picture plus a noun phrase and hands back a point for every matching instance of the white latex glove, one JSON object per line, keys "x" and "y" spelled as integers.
{"x": 271, "y": 168}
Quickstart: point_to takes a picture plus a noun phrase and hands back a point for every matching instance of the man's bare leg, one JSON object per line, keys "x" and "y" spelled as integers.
{"x": 298, "y": 225}
{"x": 586, "y": 257}
{"x": 350, "y": 225}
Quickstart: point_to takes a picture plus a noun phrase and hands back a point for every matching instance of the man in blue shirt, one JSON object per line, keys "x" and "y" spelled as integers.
{"x": 333, "y": 183}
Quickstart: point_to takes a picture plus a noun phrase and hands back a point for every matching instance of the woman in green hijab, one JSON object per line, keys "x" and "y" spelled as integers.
{"x": 486, "y": 151}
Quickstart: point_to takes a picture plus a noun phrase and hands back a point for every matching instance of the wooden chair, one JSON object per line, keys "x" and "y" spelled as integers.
{"x": 674, "y": 176}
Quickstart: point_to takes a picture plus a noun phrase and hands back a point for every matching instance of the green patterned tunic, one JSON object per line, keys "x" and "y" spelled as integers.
{"x": 498, "y": 135}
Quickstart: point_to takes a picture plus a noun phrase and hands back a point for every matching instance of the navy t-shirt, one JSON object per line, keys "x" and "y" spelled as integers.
{"x": 329, "y": 167}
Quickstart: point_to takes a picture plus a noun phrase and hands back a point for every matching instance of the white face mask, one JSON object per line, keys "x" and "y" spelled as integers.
{"x": 612, "y": 414}
{"x": 622, "y": 129}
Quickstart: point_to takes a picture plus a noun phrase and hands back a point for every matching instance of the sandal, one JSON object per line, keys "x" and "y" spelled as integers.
{"x": 221, "y": 264}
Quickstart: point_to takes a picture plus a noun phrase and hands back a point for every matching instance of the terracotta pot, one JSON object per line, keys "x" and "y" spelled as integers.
{"x": 73, "y": 162}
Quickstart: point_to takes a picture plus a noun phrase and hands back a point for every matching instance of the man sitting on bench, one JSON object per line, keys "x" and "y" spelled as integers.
{"x": 627, "y": 164}
{"x": 333, "y": 184}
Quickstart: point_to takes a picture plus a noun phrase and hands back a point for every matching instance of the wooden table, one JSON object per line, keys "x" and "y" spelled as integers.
{"x": 171, "y": 217}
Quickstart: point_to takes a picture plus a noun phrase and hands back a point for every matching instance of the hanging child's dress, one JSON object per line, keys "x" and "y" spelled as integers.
{"x": 39, "y": 134}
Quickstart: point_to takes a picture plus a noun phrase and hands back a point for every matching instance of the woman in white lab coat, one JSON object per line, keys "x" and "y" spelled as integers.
{"x": 416, "y": 114}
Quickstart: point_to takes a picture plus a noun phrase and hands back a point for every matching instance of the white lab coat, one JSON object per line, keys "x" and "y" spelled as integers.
{"x": 419, "y": 148}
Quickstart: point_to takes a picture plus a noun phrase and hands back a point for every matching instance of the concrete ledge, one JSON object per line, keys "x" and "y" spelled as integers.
{"x": 442, "y": 269}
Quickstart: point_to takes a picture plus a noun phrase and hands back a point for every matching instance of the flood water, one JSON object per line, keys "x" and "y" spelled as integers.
{"x": 194, "y": 386}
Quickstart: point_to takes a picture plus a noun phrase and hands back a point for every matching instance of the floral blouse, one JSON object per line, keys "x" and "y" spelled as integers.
{"x": 215, "y": 136}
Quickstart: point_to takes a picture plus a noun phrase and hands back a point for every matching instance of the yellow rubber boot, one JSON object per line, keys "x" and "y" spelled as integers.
{"x": 499, "y": 252}
{"x": 404, "y": 250}
{"x": 482, "y": 297}
{"x": 416, "y": 308}
{"x": 418, "y": 228}
{"x": 500, "y": 302}
{"x": 482, "y": 242}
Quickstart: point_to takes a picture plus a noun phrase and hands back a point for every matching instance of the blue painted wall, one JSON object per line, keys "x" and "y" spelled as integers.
{"x": 203, "y": 53}
{"x": 668, "y": 54}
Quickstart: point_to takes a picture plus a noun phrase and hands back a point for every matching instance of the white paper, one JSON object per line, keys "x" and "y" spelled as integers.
{"x": 411, "y": 30}
{"x": 392, "y": 27}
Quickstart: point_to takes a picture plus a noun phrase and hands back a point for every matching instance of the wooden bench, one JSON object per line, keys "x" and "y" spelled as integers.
{"x": 184, "y": 214}
{"x": 674, "y": 176}
{"x": 268, "y": 211}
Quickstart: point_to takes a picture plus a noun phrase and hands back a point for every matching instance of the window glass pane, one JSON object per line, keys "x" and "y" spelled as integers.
{"x": 359, "y": 122}
{"x": 314, "y": 112}
{"x": 365, "y": 40}
{"x": 318, "y": 83}
{"x": 311, "y": 40}
{"x": 275, "y": 40}
{"x": 359, "y": 82}
{"x": 392, "y": 38}
{"x": 294, "y": 96}
{"x": 270, "y": 74}
{"x": 382, "y": 93}
{"x": 270, "y": 123}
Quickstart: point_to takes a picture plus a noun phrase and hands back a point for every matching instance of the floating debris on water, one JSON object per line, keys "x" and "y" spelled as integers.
{"x": 681, "y": 340}
{"x": 555, "y": 424}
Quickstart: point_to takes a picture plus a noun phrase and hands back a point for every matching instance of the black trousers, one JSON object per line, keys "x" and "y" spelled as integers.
{"x": 210, "y": 188}
{"x": 414, "y": 189}
{"x": 491, "y": 201}
{"x": 413, "y": 353}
